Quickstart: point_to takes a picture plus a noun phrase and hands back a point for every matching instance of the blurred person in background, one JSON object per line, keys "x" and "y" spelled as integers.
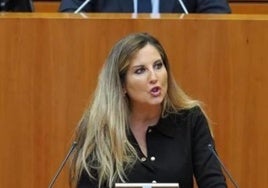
{"x": 147, "y": 6}
{"x": 16, "y": 6}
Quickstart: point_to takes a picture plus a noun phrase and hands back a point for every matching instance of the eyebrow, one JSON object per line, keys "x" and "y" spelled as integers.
{"x": 137, "y": 66}
{"x": 159, "y": 61}
{"x": 142, "y": 65}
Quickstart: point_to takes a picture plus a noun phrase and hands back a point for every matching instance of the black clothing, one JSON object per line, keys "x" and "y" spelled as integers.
{"x": 16, "y": 5}
{"x": 177, "y": 149}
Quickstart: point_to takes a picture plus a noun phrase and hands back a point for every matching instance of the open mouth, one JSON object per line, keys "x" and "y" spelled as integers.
{"x": 156, "y": 91}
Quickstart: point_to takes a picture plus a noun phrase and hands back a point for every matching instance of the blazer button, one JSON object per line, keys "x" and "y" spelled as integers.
{"x": 152, "y": 158}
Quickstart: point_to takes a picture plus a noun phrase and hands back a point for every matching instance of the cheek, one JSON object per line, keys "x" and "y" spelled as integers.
{"x": 134, "y": 86}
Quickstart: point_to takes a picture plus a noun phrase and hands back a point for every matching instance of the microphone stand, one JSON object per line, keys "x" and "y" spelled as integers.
{"x": 82, "y": 6}
{"x": 210, "y": 147}
{"x": 183, "y": 7}
{"x": 62, "y": 165}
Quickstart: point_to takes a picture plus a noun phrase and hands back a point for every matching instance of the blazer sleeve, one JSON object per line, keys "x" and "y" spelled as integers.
{"x": 207, "y": 169}
{"x": 212, "y": 6}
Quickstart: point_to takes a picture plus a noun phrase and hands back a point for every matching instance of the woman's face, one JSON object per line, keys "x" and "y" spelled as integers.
{"x": 146, "y": 78}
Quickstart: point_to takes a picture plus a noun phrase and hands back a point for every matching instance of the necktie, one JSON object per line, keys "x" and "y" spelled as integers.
{"x": 144, "y": 6}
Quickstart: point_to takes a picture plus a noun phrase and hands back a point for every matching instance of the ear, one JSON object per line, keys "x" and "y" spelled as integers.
{"x": 124, "y": 90}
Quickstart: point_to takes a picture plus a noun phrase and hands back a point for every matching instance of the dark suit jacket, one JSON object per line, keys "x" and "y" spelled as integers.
{"x": 17, "y": 6}
{"x": 166, "y": 6}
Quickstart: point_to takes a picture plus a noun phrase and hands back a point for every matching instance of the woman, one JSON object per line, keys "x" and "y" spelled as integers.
{"x": 141, "y": 127}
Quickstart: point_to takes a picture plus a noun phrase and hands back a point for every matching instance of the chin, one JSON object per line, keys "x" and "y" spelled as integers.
{"x": 156, "y": 102}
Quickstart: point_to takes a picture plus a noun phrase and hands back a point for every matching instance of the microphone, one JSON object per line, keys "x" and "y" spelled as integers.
{"x": 62, "y": 165}
{"x": 183, "y": 7}
{"x": 81, "y": 6}
{"x": 210, "y": 147}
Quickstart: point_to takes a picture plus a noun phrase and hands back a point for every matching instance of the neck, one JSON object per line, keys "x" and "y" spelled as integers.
{"x": 145, "y": 117}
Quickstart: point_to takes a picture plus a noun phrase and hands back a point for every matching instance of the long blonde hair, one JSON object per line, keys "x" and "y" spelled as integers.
{"x": 103, "y": 149}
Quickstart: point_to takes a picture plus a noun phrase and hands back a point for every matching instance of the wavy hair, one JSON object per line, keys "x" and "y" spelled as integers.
{"x": 103, "y": 150}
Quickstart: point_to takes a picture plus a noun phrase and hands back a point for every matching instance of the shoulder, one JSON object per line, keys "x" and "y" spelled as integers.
{"x": 187, "y": 118}
{"x": 187, "y": 123}
{"x": 192, "y": 119}
{"x": 189, "y": 113}
{"x": 197, "y": 122}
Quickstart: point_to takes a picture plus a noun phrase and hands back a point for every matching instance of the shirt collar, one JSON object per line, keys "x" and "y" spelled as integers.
{"x": 167, "y": 125}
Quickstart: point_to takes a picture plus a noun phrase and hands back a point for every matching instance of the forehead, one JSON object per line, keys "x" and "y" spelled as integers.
{"x": 146, "y": 54}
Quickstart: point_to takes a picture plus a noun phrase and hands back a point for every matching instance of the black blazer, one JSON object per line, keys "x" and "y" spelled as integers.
{"x": 17, "y": 6}
{"x": 177, "y": 149}
{"x": 166, "y": 6}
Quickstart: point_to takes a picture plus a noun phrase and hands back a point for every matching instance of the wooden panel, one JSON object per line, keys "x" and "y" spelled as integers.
{"x": 249, "y": 8}
{"x": 49, "y": 64}
{"x": 52, "y": 6}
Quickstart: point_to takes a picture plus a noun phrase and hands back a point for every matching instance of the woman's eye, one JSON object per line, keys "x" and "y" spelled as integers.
{"x": 140, "y": 70}
{"x": 158, "y": 65}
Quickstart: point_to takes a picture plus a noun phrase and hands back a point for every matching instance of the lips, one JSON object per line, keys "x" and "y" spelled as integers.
{"x": 155, "y": 91}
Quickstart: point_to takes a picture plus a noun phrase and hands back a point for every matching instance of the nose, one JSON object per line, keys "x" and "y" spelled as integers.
{"x": 153, "y": 77}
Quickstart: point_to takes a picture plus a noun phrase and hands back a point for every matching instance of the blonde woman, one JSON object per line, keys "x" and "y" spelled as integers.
{"x": 141, "y": 127}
